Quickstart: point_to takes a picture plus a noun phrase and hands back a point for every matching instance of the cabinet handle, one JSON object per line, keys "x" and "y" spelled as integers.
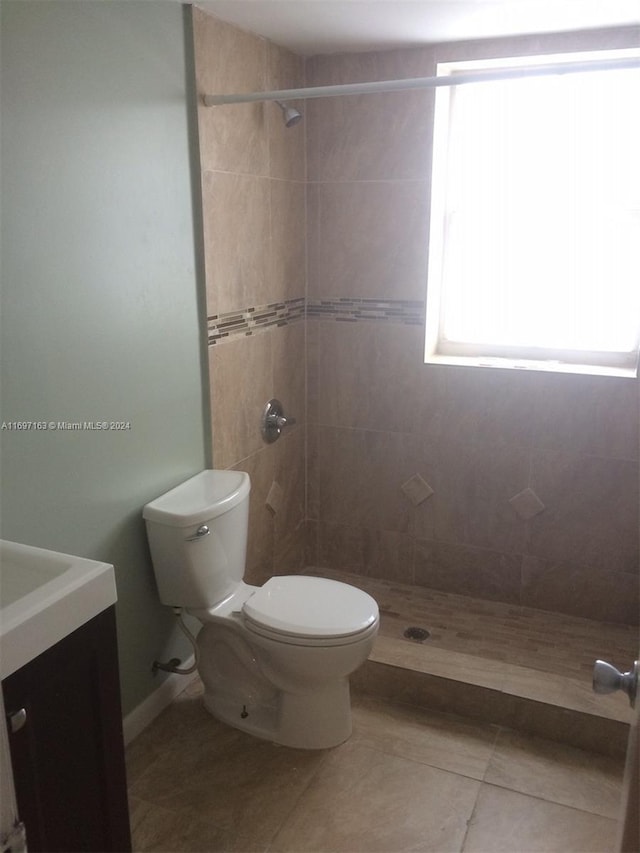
{"x": 17, "y": 719}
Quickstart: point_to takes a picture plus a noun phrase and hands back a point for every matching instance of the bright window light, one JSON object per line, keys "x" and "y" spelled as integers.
{"x": 535, "y": 231}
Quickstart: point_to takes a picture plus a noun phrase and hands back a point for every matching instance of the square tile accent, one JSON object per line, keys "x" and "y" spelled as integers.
{"x": 416, "y": 489}
{"x": 274, "y": 498}
{"x": 527, "y": 504}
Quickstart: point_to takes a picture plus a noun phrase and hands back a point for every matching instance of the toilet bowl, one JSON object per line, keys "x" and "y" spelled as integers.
{"x": 275, "y": 660}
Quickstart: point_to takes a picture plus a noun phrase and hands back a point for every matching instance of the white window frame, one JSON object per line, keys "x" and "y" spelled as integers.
{"x": 439, "y": 350}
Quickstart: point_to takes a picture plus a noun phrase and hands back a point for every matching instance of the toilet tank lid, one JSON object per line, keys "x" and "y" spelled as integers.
{"x": 203, "y": 497}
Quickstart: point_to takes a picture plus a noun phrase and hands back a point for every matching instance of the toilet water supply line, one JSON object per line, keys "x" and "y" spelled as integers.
{"x": 173, "y": 665}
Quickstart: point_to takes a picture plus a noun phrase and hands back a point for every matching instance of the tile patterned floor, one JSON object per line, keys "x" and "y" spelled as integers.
{"x": 407, "y": 780}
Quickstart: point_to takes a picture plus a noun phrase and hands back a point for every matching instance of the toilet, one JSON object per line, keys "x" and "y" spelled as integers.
{"x": 275, "y": 660}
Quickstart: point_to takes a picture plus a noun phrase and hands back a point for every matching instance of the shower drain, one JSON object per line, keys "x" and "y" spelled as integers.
{"x": 417, "y": 634}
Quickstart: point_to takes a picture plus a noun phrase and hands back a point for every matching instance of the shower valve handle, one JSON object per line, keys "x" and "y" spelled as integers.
{"x": 282, "y": 422}
{"x": 274, "y": 421}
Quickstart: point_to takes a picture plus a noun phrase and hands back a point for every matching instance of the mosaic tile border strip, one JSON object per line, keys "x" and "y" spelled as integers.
{"x": 351, "y": 310}
{"x": 247, "y": 322}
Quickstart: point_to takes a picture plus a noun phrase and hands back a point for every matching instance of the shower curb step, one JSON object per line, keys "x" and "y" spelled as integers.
{"x": 499, "y": 706}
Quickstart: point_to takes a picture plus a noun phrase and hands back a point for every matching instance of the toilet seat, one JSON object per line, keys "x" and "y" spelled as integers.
{"x": 306, "y": 610}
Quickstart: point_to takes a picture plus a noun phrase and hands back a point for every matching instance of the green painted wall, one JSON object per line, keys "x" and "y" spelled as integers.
{"x": 101, "y": 295}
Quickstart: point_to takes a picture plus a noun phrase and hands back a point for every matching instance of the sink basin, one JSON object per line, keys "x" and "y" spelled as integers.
{"x": 44, "y": 596}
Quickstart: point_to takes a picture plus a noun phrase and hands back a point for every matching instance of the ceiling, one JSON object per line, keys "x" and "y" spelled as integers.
{"x": 310, "y": 27}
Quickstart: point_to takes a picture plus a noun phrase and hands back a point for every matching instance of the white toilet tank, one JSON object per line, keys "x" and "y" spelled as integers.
{"x": 198, "y": 538}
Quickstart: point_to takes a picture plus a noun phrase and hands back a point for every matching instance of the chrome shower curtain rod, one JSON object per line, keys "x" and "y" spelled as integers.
{"x": 423, "y": 82}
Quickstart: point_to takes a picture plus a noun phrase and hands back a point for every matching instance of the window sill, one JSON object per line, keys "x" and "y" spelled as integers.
{"x": 530, "y": 365}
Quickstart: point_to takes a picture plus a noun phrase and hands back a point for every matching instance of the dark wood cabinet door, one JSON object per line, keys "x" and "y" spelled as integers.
{"x": 68, "y": 757}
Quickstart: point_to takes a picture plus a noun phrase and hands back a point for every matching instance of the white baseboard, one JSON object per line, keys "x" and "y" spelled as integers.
{"x": 145, "y": 713}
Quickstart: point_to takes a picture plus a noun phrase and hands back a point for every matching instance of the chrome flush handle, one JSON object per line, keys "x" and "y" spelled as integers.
{"x": 202, "y": 531}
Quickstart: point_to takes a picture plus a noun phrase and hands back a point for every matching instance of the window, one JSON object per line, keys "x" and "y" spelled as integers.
{"x": 534, "y": 256}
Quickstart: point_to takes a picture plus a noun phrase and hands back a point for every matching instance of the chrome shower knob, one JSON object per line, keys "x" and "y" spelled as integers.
{"x": 274, "y": 421}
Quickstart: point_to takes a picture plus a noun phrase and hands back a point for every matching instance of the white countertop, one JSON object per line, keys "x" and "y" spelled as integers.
{"x": 44, "y": 596}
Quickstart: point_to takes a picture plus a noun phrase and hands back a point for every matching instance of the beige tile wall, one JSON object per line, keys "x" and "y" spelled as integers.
{"x": 253, "y": 192}
{"x": 378, "y": 415}
{"x": 355, "y": 199}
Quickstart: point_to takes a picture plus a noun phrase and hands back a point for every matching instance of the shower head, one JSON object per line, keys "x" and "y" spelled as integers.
{"x": 290, "y": 115}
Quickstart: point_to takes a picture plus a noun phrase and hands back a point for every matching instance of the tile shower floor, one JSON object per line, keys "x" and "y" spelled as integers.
{"x": 409, "y": 779}
{"x": 535, "y": 661}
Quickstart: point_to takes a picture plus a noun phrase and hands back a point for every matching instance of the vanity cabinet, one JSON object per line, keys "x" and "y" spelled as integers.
{"x": 65, "y": 735}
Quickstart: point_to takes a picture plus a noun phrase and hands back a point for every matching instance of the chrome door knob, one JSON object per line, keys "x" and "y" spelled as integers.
{"x": 608, "y": 679}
